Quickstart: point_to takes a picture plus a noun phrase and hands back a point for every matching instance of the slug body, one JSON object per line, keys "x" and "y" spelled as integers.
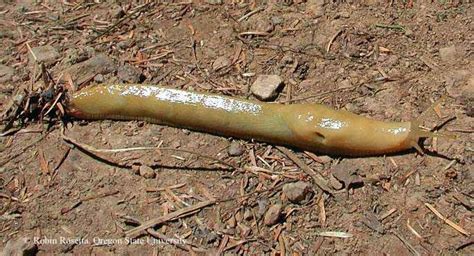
{"x": 311, "y": 127}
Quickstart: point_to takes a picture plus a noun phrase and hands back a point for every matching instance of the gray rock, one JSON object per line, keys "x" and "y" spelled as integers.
{"x": 266, "y": 87}
{"x": 87, "y": 70}
{"x": 449, "y": 54}
{"x": 147, "y": 172}
{"x": 235, "y": 149}
{"x": 129, "y": 74}
{"x": 297, "y": 191}
{"x": 22, "y": 246}
{"x": 44, "y": 54}
{"x": 6, "y": 73}
{"x": 273, "y": 215}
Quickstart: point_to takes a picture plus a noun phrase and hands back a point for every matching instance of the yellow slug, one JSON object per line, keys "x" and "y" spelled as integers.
{"x": 312, "y": 127}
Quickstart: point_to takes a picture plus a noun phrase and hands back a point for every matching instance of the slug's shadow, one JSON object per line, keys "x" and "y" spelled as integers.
{"x": 414, "y": 151}
{"x": 155, "y": 166}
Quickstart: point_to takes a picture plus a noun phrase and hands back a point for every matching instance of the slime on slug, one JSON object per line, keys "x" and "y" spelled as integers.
{"x": 312, "y": 127}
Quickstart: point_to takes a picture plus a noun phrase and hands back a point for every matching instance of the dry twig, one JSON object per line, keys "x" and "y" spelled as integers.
{"x": 447, "y": 221}
{"x": 171, "y": 216}
{"x": 318, "y": 178}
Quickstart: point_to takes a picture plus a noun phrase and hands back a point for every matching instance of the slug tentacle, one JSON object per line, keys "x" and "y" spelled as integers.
{"x": 417, "y": 132}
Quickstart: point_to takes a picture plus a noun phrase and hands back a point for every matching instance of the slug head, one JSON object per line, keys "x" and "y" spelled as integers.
{"x": 417, "y": 133}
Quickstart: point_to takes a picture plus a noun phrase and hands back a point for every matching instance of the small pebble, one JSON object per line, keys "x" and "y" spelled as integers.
{"x": 147, "y": 172}
{"x": 266, "y": 87}
{"x": 83, "y": 71}
{"x": 325, "y": 159}
{"x": 351, "y": 107}
{"x": 214, "y": 1}
{"x": 343, "y": 14}
{"x": 117, "y": 11}
{"x": 220, "y": 63}
{"x": 315, "y": 8}
{"x": 460, "y": 83}
{"x": 248, "y": 215}
{"x": 409, "y": 33}
{"x": 231, "y": 222}
{"x": 20, "y": 246}
{"x": 336, "y": 184}
{"x": 273, "y": 215}
{"x": 297, "y": 191}
{"x": 276, "y": 20}
{"x": 308, "y": 83}
{"x": 449, "y": 54}
{"x": 136, "y": 169}
{"x": 262, "y": 207}
{"x": 235, "y": 149}
{"x": 6, "y": 73}
{"x": 124, "y": 44}
{"x": 129, "y": 74}
{"x": 175, "y": 144}
{"x": 44, "y": 54}
{"x": 244, "y": 230}
{"x": 264, "y": 25}
{"x": 99, "y": 78}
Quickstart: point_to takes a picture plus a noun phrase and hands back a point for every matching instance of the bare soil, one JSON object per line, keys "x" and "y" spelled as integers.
{"x": 389, "y": 60}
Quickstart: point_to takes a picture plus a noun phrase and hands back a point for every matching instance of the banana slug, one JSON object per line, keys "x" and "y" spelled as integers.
{"x": 312, "y": 127}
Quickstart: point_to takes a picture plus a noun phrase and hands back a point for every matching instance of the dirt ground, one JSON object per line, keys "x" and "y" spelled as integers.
{"x": 204, "y": 194}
